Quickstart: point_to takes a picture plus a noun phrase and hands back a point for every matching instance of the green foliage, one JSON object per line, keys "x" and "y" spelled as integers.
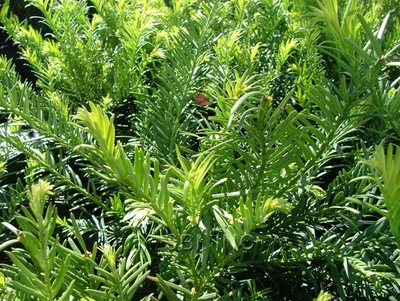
{"x": 46, "y": 270}
{"x": 323, "y": 296}
{"x": 37, "y": 278}
{"x": 127, "y": 189}
{"x": 387, "y": 168}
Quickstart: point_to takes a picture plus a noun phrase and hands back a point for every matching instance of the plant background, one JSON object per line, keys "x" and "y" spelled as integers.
{"x": 115, "y": 185}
